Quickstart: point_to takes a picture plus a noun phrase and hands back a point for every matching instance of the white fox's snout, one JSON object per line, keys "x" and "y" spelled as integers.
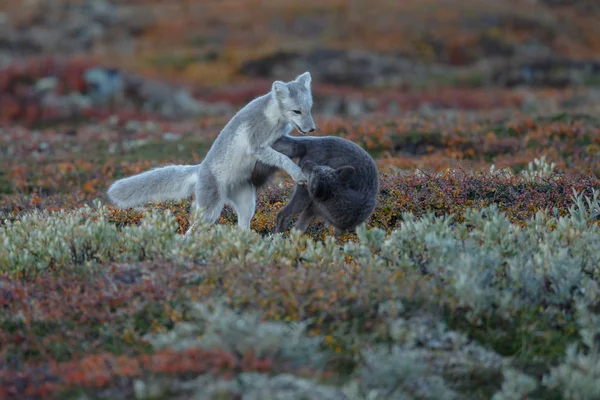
{"x": 305, "y": 130}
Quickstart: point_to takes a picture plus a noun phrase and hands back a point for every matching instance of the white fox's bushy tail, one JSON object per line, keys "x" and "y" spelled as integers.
{"x": 173, "y": 182}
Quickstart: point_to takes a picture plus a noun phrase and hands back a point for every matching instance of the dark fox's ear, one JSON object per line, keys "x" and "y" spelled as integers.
{"x": 345, "y": 173}
{"x": 279, "y": 89}
{"x": 321, "y": 191}
{"x": 305, "y": 79}
{"x": 308, "y": 166}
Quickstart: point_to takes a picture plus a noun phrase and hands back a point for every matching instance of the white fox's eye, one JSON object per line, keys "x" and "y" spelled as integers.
{"x": 297, "y": 111}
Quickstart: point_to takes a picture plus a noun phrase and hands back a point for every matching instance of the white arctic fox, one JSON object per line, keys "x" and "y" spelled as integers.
{"x": 224, "y": 176}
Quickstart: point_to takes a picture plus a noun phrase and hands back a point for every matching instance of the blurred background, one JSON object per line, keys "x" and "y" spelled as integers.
{"x": 64, "y": 60}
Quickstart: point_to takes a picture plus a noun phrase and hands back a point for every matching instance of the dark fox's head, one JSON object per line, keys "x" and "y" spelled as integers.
{"x": 294, "y": 100}
{"x": 324, "y": 180}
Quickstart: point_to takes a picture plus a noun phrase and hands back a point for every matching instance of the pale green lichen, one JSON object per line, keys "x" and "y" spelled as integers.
{"x": 485, "y": 265}
{"x": 539, "y": 168}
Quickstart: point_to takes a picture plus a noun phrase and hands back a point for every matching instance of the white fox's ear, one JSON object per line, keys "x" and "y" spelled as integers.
{"x": 305, "y": 79}
{"x": 280, "y": 89}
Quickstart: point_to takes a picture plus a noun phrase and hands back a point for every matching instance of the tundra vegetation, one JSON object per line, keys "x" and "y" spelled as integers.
{"x": 476, "y": 277}
{"x": 462, "y": 284}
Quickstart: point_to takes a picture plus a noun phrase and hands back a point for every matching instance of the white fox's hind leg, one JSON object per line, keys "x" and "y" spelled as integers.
{"x": 209, "y": 216}
{"x": 208, "y": 198}
{"x": 243, "y": 200}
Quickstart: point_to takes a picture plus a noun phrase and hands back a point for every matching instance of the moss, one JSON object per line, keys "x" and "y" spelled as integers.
{"x": 165, "y": 151}
{"x": 414, "y": 142}
{"x": 526, "y": 339}
{"x": 569, "y": 118}
{"x": 505, "y": 131}
{"x": 175, "y": 61}
{"x": 6, "y": 186}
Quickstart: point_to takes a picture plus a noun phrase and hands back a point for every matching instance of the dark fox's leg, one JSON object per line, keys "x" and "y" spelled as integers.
{"x": 337, "y": 232}
{"x": 305, "y": 219}
{"x": 299, "y": 202}
{"x": 289, "y": 146}
{"x": 261, "y": 174}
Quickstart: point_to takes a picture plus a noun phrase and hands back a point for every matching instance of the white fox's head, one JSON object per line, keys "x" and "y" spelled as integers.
{"x": 295, "y": 102}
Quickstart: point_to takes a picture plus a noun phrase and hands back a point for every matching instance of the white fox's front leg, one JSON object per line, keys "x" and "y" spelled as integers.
{"x": 271, "y": 157}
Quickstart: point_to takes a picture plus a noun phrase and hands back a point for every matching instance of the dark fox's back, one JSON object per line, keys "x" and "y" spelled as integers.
{"x": 333, "y": 151}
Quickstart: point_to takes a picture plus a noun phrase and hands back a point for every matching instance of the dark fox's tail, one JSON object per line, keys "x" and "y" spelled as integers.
{"x": 173, "y": 182}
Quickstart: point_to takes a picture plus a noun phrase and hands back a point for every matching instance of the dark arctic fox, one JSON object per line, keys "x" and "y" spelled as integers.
{"x": 342, "y": 182}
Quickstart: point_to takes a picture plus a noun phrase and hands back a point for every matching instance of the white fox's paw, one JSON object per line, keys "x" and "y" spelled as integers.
{"x": 190, "y": 229}
{"x": 300, "y": 178}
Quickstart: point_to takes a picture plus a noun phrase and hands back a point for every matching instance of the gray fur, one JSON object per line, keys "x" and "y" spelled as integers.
{"x": 167, "y": 183}
{"x": 342, "y": 186}
{"x": 225, "y": 174}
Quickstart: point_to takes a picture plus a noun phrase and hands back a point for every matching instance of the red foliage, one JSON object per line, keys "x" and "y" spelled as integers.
{"x": 19, "y": 100}
{"x": 76, "y": 314}
{"x": 95, "y": 371}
